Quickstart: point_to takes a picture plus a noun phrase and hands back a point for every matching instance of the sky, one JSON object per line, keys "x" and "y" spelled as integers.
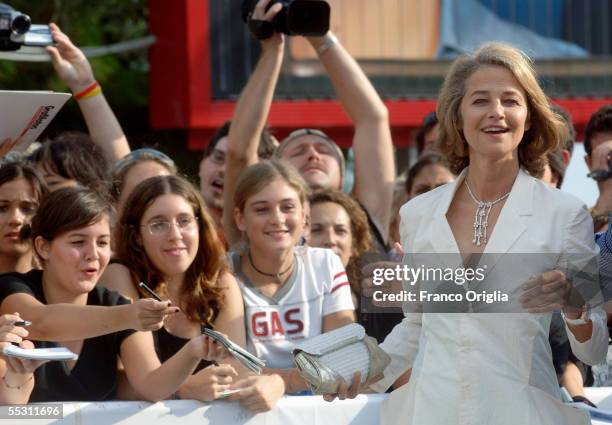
{"x": 576, "y": 182}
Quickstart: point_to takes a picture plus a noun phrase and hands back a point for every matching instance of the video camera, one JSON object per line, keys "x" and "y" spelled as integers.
{"x": 297, "y": 17}
{"x": 16, "y": 30}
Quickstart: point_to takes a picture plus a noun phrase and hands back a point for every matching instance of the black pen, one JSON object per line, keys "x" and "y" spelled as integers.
{"x": 22, "y": 323}
{"x": 149, "y": 291}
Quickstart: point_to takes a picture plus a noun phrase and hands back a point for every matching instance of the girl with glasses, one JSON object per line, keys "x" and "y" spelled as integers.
{"x": 167, "y": 239}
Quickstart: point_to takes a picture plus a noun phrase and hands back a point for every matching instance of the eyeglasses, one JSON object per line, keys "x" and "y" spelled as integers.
{"x": 162, "y": 227}
{"x": 143, "y": 153}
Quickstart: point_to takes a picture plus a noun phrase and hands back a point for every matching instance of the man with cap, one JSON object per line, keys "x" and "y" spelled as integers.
{"x": 301, "y": 148}
{"x": 318, "y": 159}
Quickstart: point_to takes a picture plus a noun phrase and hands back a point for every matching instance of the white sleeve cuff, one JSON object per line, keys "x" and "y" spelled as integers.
{"x": 593, "y": 350}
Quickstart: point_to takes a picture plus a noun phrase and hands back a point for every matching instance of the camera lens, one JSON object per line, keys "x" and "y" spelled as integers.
{"x": 20, "y": 24}
{"x": 308, "y": 17}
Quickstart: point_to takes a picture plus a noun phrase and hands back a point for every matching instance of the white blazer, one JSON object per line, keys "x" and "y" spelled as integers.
{"x": 490, "y": 368}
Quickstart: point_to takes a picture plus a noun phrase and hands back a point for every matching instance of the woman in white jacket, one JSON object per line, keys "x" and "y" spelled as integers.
{"x": 492, "y": 363}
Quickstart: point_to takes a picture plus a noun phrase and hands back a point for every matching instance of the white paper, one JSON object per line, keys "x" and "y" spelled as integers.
{"x": 25, "y": 114}
{"x": 228, "y": 393}
{"x": 55, "y": 353}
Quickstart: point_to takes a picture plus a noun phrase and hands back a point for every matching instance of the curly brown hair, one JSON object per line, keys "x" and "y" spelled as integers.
{"x": 546, "y": 132}
{"x": 360, "y": 231}
{"x": 201, "y": 298}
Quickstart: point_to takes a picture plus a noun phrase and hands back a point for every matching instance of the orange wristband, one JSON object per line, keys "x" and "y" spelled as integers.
{"x": 91, "y": 91}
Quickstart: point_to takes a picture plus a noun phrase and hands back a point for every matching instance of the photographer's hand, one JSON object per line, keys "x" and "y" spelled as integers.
{"x": 69, "y": 61}
{"x": 260, "y": 13}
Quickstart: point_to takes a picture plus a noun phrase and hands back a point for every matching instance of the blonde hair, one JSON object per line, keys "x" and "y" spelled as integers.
{"x": 546, "y": 131}
{"x": 256, "y": 177}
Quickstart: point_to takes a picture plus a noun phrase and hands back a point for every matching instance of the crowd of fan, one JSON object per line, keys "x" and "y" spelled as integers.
{"x": 268, "y": 251}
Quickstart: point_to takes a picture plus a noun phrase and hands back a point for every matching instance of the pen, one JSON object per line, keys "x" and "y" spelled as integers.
{"x": 22, "y": 323}
{"x": 149, "y": 291}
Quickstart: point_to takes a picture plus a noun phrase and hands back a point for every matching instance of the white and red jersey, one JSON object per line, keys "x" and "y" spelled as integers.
{"x": 317, "y": 287}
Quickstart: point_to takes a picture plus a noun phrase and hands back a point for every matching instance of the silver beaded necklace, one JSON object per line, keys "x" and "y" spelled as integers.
{"x": 481, "y": 218}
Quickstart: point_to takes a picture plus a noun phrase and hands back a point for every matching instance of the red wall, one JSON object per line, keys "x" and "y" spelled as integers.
{"x": 180, "y": 92}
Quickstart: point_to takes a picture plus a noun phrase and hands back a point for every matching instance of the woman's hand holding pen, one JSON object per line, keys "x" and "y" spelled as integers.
{"x": 149, "y": 314}
{"x": 10, "y": 331}
{"x": 13, "y": 332}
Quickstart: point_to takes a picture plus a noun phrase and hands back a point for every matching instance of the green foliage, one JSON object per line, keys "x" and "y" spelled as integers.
{"x": 87, "y": 23}
{"x": 124, "y": 78}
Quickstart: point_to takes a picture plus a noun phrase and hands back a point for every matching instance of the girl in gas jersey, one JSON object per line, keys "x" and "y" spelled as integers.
{"x": 290, "y": 292}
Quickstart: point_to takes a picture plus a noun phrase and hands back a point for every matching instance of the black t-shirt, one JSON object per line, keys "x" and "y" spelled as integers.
{"x": 94, "y": 376}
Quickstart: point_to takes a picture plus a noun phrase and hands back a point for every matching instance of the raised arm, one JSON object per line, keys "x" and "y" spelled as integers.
{"x": 374, "y": 162}
{"x": 250, "y": 116}
{"x": 74, "y": 69}
{"x": 69, "y": 322}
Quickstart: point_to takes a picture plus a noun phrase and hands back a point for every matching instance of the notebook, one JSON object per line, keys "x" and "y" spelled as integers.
{"x": 55, "y": 353}
{"x": 247, "y": 359}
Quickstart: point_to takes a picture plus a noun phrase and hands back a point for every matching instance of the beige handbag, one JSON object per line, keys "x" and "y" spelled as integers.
{"x": 325, "y": 359}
